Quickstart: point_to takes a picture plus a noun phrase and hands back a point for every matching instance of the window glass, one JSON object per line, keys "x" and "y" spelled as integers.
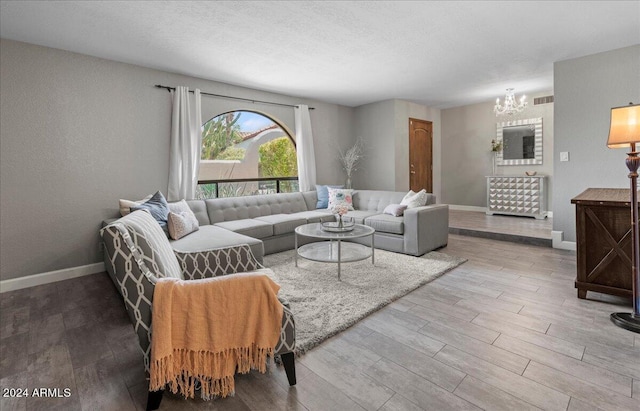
{"x": 246, "y": 153}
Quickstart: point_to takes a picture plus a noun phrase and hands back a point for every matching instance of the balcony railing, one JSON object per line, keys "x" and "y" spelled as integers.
{"x": 245, "y": 187}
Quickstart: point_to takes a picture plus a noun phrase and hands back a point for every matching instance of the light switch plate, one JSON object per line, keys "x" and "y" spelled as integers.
{"x": 564, "y": 156}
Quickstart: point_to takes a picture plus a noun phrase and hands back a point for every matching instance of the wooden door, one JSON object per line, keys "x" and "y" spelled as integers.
{"x": 420, "y": 155}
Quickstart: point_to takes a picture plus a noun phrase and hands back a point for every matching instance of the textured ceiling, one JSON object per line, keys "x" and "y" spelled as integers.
{"x": 441, "y": 54}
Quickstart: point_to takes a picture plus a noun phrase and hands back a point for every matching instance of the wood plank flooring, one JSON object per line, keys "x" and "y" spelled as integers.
{"x": 504, "y": 331}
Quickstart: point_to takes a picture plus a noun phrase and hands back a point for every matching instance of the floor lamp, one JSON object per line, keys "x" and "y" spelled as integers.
{"x": 625, "y": 132}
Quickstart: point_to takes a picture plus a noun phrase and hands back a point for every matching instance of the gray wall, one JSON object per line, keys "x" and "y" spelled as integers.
{"x": 77, "y": 133}
{"x": 385, "y": 129}
{"x": 586, "y": 89}
{"x": 467, "y": 132}
{"x": 375, "y": 124}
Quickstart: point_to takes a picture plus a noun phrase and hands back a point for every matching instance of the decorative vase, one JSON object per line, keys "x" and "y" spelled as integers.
{"x": 348, "y": 184}
{"x": 495, "y": 155}
{"x": 340, "y": 223}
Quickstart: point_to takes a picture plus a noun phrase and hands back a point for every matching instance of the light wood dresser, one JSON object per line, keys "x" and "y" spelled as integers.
{"x": 517, "y": 195}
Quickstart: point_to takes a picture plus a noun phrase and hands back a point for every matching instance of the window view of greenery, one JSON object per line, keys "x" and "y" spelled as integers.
{"x": 219, "y": 135}
{"x": 243, "y": 145}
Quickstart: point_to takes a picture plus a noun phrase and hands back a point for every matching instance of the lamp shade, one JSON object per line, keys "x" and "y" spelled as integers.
{"x": 625, "y": 126}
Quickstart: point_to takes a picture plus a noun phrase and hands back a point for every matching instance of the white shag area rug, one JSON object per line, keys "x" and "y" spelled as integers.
{"x": 323, "y": 306}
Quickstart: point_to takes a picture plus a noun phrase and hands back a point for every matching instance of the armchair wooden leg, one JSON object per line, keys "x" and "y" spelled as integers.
{"x": 154, "y": 399}
{"x": 288, "y": 360}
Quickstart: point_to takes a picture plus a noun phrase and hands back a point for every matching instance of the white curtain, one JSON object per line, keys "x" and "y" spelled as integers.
{"x": 304, "y": 147}
{"x": 186, "y": 139}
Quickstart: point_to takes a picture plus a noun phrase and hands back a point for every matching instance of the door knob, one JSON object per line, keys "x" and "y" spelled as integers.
{"x": 413, "y": 172}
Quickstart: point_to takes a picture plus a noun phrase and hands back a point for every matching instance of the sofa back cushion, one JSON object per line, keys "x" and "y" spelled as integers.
{"x": 431, "y": 198}
{"x": 311, "y": 198}
{"x": 199, "y": 208}
{"x": 239, "y": 208}
{"x": 375, "y": 200}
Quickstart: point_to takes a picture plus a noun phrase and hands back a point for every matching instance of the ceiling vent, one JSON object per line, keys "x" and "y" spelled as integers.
{"x": 542, "y": 100}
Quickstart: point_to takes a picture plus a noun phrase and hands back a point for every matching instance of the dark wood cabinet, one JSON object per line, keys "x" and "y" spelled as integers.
{"x": 603, "y": 235}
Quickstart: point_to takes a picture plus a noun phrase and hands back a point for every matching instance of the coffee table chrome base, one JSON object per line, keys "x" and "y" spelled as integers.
{"x": 336, "y": 252}
{"x": 335, "y": 247}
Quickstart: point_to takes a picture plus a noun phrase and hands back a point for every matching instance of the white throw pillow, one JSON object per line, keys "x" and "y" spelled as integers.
{"x": 339, "y": 196}
{"x": 125, "y": 205}
{"x": 395, "y": 210}
{"x": 413, "y": 199}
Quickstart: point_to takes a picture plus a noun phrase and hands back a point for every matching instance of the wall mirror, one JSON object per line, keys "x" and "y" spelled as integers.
{"x": 521, "y": 142}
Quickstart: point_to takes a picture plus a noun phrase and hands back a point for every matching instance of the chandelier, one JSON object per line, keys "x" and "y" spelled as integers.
{"x": 511, "y": 106}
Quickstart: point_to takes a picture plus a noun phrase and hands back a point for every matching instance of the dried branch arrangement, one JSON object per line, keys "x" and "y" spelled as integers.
{"x": 351, "y": 157}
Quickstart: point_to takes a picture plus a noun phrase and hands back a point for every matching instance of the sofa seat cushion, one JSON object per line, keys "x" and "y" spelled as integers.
{"x": 283, "y": 223}
{"x": 360, "y": 215}
{"x": 210, "y": 237}
{"x": 319, "y": 216}
{"x": 385, "y": 223}
{"x": 249, "y": 226}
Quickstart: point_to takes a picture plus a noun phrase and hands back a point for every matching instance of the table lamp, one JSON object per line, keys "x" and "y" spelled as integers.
{"x": 625, "y": 132}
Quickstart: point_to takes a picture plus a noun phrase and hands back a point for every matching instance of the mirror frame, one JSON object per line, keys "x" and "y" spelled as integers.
{"x": 537, "y": 123}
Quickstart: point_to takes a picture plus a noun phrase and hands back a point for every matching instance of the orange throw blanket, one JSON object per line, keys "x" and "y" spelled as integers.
{"x": 208, "y": 329}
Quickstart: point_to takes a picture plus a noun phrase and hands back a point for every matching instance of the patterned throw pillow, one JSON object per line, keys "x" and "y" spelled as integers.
{"x": 181, "y": 224}
{"x": 413, "y": 199}
{"x": 395, "y": 210}
{"x": 323, "y": 195}
{"x": 340, "y": 196}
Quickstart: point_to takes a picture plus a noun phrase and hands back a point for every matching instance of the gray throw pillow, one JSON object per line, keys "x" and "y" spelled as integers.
{"x": 395, "y": 210}
{"x": 158, "y": 208}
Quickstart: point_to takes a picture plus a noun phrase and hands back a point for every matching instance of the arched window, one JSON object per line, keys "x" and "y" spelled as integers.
{"x": 246, "y": 153}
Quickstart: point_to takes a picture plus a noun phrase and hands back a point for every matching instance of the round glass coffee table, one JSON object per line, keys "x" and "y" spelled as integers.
{"x": 335, "y": 250}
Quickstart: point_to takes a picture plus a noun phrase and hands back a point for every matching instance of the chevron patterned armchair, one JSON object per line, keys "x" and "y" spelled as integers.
{"x": 137, "y": 253}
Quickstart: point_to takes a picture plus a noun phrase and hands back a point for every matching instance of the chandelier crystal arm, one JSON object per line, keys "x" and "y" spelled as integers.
{"x": 511, "y": 106}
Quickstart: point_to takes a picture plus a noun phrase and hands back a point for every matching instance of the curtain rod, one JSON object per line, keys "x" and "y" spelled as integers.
{"x": 234, "y": 98}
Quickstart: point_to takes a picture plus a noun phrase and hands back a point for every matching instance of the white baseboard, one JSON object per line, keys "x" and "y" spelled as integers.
{"x": 467, "y": 208}
{"x": 558, "y": 242}
{"x": 50, "y": 277}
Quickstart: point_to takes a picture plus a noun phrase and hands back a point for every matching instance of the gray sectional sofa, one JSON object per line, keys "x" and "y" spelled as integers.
{"x": 267, "y": 222}
{"x": 137, "y": 252}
